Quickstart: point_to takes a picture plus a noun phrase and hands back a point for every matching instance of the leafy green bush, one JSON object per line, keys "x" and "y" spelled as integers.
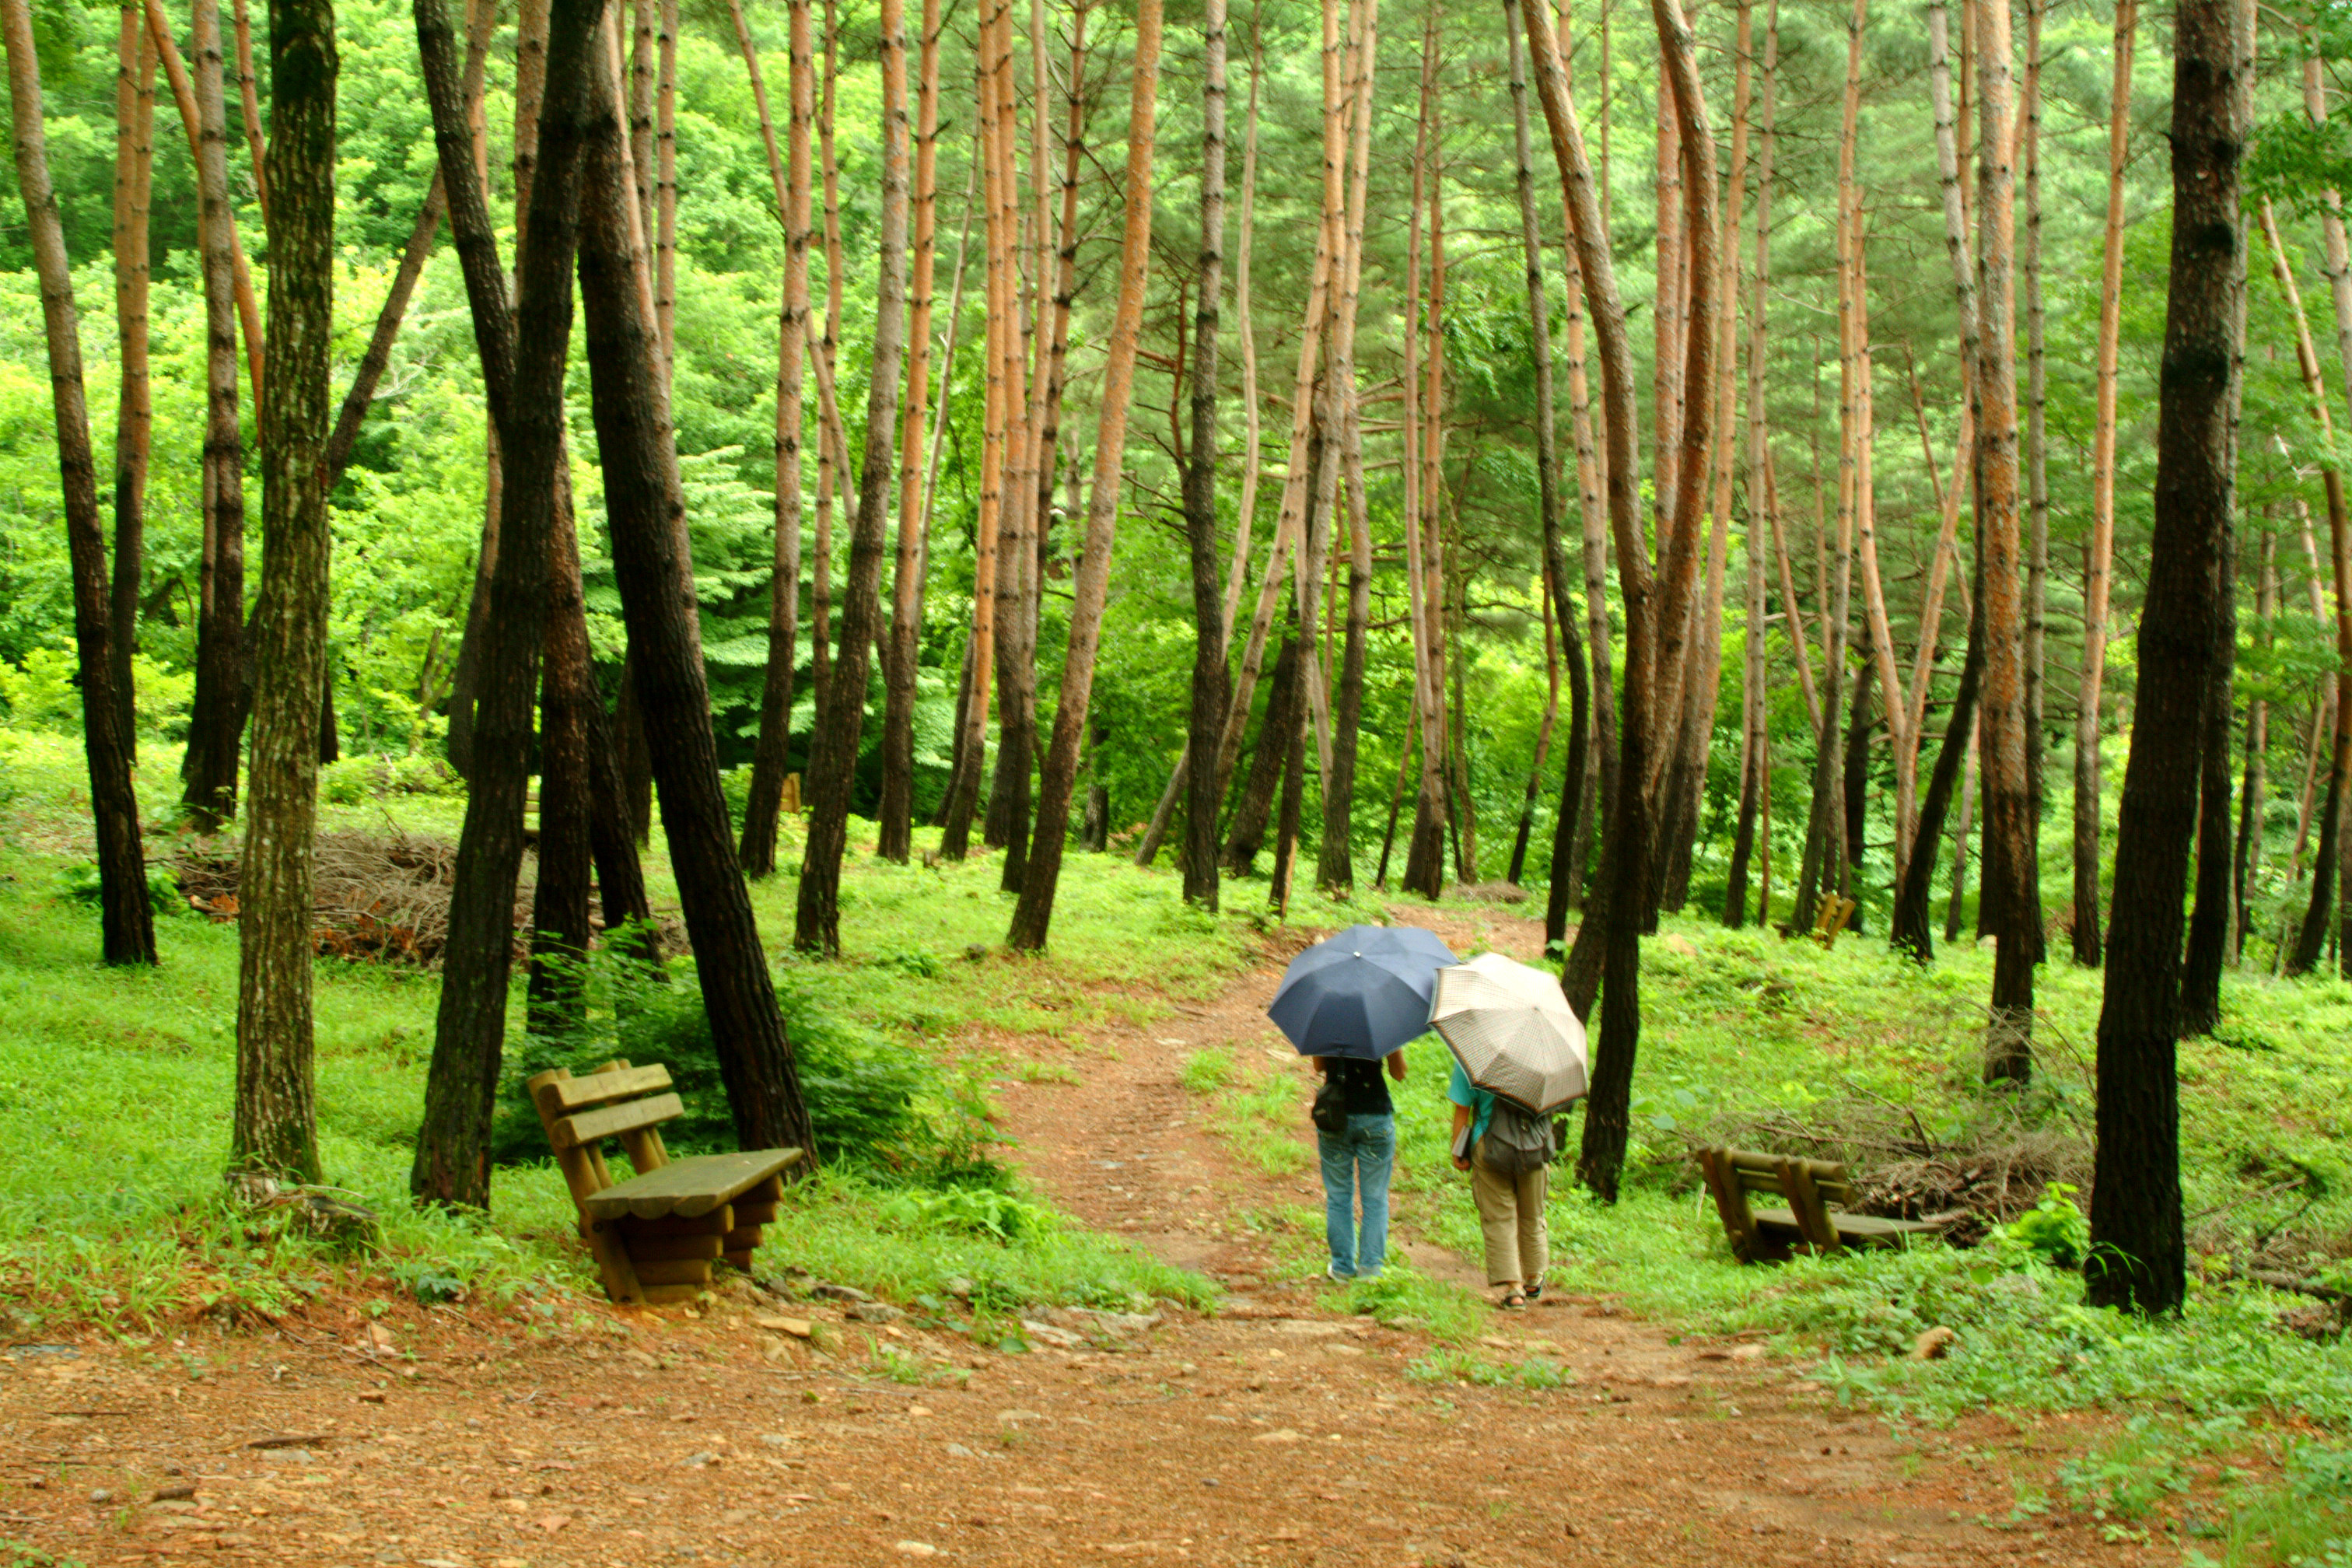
{"x": 972, "y": 1211}
{"x": 354, "y": 780}
{"x": 2053, "y": 1227}
{"x": 872, "y": 1105}
{"x": 80, "y": 883}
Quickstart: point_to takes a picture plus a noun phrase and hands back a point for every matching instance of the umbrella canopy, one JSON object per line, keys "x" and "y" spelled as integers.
{"x": 1513, "y": 1032}
{"x": 1362, "y": 993}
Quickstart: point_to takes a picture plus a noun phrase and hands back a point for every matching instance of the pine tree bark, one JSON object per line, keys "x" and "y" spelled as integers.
{"x": 2012, "y": 882}
{"x": 2101, "y": 552}
{"x": 1424, "y": 861}
{"x": 1756, "y": 770}
{"x": 2253, "y": 796}
{"x": 529, "y": 88}
{"x": 126, "y": 923}
{"x": 2215, "y": 911}
{"x": 654, "y": 570}
{"x": 274, "y": 1129}
{"x": 1255, "y": 809}
{"x": 1335, "y": 870}
{"x": 134, "y": 172}
{"x": 1559, "y": 608}
{"x": 895, "y": 836}
{"x": 522, "y": 355}
{"x": 841, "y": 701}
{"x": 771, "y": 757}
{"x": 2037, "y": 445}
{"x": 2138, "y": 1257}
{"x": 217, "y": 719}
{"x": 1209, "y": 673}
{"x": 1033, "y": 915}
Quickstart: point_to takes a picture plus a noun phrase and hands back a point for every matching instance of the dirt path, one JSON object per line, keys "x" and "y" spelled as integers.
{"x": 1276, "y": 1433}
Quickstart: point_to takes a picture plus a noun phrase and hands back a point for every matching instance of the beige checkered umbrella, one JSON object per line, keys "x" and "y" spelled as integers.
{"x": 1512, "y": 1031}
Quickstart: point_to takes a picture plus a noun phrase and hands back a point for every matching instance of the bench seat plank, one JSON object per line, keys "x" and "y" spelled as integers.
{"x": 1861, "y": 1229}
{"x": 688, "y": 1187}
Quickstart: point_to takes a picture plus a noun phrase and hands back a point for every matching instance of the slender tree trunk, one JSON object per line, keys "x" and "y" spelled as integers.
{"x": 126, "y": 923}
{"x": 1559, "y": 609}
{"x": 895, "y": 836}
{"x": 830, "y": 477}
{"x": 1756, "y": 773}
{"x": 2012, "y": 879}
{"x": 1654, "y": 600}
{"x": 1209, "y": 674}
{"x": 274, "y": 1129}
{"x": 2037, "y": 448}
{"x": 1424, "y": 861}
{"x": 522, "y": 355}
{"x": 2214, "y": 914}
{"x": 216, "y": 719}
{"x": 529, "y": 88}
{"x": 841, "y": 703}
{"x": 1237, "y": 573}
{"x": 771, "y": 757}
{"x": 1033, "y": 916}
{"x": 1336, "y": 867}
{"x": 249, "y": 104}
{"x": 1952, "y": 911}
{"x": 134, "y": 138}
{"x": 654, "y": 572}
{"x": 2101, "y": 552}
{"x": 988, "y": 531}
{"x": 1255, "y": 809}
{"x": 2139, "y": 1259}
{"x": 2252, "y": 798}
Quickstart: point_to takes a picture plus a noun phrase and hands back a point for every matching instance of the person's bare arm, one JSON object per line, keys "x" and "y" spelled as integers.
{"x": 1396, "y": 1065}
{"x": 1461, "y": 1121}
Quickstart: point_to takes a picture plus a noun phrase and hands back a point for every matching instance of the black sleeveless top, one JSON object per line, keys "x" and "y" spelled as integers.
{"x": 1367, "y": 1088}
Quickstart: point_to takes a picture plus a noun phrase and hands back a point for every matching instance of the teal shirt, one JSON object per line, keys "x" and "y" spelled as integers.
{"x": 1461, "y": 1091}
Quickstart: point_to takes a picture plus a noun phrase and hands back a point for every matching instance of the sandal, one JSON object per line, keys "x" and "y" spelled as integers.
{"x": 1513, "y": 1303}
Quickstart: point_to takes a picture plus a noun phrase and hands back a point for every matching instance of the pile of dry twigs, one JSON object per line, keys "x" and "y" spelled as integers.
{"x": 383, "y": 897}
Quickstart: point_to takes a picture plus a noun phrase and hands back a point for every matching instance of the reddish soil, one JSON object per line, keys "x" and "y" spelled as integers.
{"x": 1276, "y": 1433}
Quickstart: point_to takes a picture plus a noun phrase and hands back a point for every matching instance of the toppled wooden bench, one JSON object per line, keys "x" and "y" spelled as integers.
{"x": 656, "y": 1234}
{"x": 1808, "y": 1187}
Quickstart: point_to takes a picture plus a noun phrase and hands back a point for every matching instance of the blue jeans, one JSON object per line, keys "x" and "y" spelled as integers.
{"x": 1359, "y": 1160}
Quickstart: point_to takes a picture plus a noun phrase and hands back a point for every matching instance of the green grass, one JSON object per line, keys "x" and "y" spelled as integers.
{"x": 122, "y": 1081}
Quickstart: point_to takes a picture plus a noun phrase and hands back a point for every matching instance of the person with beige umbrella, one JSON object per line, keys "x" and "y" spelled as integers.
{"x": 1518, "y": 1058}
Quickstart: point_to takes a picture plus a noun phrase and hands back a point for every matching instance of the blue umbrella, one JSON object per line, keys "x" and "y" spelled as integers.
{"x": 1362, "y": 993}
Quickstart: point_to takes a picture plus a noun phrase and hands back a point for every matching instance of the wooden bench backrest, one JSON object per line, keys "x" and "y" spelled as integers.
{"x": 1807, "y": 1186}
{"x": 616, "y": 1100}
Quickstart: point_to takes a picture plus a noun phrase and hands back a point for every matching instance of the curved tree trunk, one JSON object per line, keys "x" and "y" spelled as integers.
{"x": 654, "y": 572}
{"x": 1033, "y": 916}
{"x": 522, "y": 357}
{"x": 126, "y": 923}
{"x": 208, "y": 768}
{"x": 841, "y": 701}
{"x": 771, "y": 756}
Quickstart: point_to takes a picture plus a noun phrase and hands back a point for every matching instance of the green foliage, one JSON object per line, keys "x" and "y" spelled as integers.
{"x": 2054, "y": 1227}
{"x": 873, "y": 1104}
{"x": 80, "y": 883}
{"x": 968, "y": 1210}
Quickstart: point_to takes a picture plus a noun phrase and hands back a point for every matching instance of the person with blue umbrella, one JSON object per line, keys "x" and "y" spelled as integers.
{"x": 1352, "y": 1002}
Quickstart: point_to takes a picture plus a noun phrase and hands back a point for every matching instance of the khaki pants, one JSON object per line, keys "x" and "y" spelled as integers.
{"x": 1511, "y": 1213}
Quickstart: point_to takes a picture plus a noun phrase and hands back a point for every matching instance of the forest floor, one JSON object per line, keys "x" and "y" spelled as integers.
{"x": 789, "y": 1428}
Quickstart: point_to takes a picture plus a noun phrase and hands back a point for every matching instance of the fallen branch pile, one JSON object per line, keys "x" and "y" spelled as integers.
{"x": 375, "y": 895}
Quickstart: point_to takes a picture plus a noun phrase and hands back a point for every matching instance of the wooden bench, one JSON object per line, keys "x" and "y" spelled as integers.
{"x": 656, "y": 1234}
{"x": 1808, "y": 1187}
{"x": 1836, "y": 912}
